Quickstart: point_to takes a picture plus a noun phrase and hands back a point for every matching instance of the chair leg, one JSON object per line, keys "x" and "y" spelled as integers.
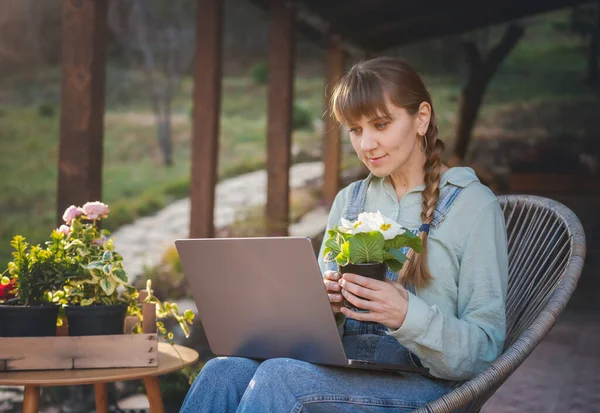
{"x": 31, "y": 399}
{"x": 101, "y": 398}
{"x": 154, "y": 396}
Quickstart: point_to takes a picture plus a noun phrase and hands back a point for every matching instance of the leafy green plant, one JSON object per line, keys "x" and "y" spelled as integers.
{"x": 80, "y": 266}
{"x": 36, "y": 273}
{"x": 372, "y": 238}
{"x": 47, "y": 110}
{"x": 259, "y": 72}
{"x": 301, "y": 118}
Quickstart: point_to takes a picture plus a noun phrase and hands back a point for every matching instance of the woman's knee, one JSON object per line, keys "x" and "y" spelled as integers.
{"x": 223, "y": 367}
{"x": 281, "y": 372}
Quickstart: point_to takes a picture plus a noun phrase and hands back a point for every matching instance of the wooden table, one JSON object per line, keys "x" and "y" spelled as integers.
{"x": 170, "y": 358}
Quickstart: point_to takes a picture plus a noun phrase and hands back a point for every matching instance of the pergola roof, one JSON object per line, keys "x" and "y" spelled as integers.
{"x": 375, "y": 25}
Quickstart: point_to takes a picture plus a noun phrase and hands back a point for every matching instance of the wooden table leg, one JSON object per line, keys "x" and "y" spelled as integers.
{"x": 31, "y": 399}
{"x": 101, "y": 397}
{"x": 154, "y": 396}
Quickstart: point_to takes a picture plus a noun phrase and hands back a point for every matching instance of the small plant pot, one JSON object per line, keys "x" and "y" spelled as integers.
{"x": 375, "y": 270}
{"x": 28, "y": 320}
{"x": 96, "y": 320}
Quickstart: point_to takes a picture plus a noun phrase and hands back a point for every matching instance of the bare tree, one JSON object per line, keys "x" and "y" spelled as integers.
{"x": 158, "y": 37}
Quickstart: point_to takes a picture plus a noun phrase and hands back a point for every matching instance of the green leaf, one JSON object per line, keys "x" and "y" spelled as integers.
{"x": 107, "y": 256}
{"x": 108, "y": 286}
{"x": 332, "y": 245}
{"x": 394, "y": 265}
{"x": 189, "y": 316}
{"x": 76, "y": 225}
{"x": 343, "y": 258}
{"x": 87, "y": 301}
{"x": 120, "y": 274}
{"x": 408, "y": 239}
{"x": 95, "y": 265}
{"x": 107, "y": 269}
{"x": 395, "y": 254}
{"x": 366, "y": 247}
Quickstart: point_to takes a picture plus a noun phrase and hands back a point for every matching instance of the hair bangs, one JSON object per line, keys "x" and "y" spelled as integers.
{"x": 359, "y": 95}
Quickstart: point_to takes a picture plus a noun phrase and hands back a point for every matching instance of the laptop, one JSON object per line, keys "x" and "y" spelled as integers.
{"x": 264, "y": 298}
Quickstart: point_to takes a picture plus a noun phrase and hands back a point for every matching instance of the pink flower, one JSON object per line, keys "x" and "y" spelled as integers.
{"x": 71, "y": 213}
{"x": 99, "y": 241}
{"x": 64, "y": 229}
{"x": 95, "y": 210}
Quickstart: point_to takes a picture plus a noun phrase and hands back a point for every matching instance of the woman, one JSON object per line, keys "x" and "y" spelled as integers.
{"x": 444, "y": 311}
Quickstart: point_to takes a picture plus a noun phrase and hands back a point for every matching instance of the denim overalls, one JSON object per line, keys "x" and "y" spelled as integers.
{"x": 369, "y": 340}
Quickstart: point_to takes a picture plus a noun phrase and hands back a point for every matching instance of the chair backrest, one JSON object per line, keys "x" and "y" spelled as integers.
{"x": 546, "y": 251}
{"x": 539, "y": 247}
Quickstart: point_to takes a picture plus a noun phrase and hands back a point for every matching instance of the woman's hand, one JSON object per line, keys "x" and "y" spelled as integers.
{"x": 331, "y": 278}
{"x": 387, "y": 301}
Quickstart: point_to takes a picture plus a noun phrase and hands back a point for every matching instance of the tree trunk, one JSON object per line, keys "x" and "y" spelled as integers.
{"x": 164, "y": 133}
{"x": 481, "y": 72}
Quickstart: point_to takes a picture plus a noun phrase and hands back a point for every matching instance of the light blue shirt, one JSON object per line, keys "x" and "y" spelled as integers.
{"x": 457, "y": 324}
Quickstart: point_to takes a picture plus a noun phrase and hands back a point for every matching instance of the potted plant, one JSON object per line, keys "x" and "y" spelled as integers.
{"x": 28, "y": 286}
{"x": 99, "y": 296}
{"x": 369, "y": 246}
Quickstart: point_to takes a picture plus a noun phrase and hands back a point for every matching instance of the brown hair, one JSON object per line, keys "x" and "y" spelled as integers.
{"x": 362, "y": 92}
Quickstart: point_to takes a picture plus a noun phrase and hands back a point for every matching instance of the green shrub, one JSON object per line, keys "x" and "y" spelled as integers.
{"x": 302, "y": 118}
{"x": 260, "y": 73}
{"x": 46, "y": 110}
{"x": 167, "y": 277}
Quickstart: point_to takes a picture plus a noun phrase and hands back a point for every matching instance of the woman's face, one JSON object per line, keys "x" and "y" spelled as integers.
{"x": 385, "y": 144}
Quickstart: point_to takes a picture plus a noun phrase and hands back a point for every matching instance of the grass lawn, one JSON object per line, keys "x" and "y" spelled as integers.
{"x": 546, "y": 65}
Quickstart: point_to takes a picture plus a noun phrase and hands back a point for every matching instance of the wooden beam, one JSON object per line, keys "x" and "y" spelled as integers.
{"x": 80, "y": 151}
{"x": 385, "y": 34}
{"x": 279, "y": 124}
{"x": 332, "y": 141}
{"x": 206, "y": 116}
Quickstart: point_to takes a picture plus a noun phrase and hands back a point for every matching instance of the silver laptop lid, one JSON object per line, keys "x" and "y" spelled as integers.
{"x": 262, "y": 298}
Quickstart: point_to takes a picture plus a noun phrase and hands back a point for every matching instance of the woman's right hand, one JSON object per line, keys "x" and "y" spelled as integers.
{"x": 331, "y": 278}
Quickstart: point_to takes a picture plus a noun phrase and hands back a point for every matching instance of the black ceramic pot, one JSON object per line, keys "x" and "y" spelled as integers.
{"x": 375, "y": 270}
{"x": 96, "y": 320}
{"x": 28, "y": 320}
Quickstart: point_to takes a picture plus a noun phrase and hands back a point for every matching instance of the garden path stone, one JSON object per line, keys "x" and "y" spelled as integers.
{"x": 143, "y": 242}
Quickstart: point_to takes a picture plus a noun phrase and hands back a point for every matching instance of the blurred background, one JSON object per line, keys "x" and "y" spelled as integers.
{"x": 537, "y": 128}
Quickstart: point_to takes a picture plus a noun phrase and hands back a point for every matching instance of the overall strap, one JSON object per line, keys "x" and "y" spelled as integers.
{"x": 448, "y": 195}
{"x": 358, "y": 196}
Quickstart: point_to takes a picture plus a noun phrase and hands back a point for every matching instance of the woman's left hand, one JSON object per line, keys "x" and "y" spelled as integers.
{"x": 387, "y": 301}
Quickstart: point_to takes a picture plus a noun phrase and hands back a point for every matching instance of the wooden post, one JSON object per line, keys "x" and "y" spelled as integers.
{"x": 206, "y": 115}
{"x": 31, "y": 399}
{"x": 331, "y": 141}
{"x": 279, "y": 128}
{"x": 101, "y": 394}
{"x": 82, "y": 103}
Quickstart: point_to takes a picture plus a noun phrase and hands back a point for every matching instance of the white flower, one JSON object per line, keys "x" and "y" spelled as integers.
{"x": 372, "y": 221}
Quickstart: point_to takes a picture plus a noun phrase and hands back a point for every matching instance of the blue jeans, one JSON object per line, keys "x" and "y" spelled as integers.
{"x": 231, "y": 384}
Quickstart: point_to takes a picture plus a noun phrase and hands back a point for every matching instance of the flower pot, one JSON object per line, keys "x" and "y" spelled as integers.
{"x": 28, "y": 320}
{"x": 96, "y": 320}
{"x": 375, "y": 270}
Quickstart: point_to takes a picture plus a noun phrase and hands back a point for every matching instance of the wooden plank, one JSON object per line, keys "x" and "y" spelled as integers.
{"x": 279, "y": 123}
{"x": 85, "y": 352}
{"x": 206, "y": 115}
{"x": 332, "y": 144}
{"x": 82, "y": 103}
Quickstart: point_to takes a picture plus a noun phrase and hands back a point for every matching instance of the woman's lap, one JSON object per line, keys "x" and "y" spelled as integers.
{"x": 292, "y": 386}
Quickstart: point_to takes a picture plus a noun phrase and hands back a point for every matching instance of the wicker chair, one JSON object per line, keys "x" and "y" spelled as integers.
{"x": 546, "y": 251}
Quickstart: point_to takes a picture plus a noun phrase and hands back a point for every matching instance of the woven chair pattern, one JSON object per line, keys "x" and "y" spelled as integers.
{"x": 546, "y": 252}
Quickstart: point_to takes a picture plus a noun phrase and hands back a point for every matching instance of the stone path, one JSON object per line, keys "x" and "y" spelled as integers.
{"x": 144, "y": 242}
